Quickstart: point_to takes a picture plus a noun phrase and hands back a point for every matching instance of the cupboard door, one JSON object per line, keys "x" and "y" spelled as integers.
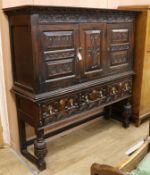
{"x": 92, "y": 49}
{"x": 119, "y": 47}
{"x": 59, "y": 66}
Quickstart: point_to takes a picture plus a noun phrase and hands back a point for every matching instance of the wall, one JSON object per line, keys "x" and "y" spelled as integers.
{"x": 3, "y": 102}
{"x": 7, "y": 101}
{"x": 75, "y": 3}
{"x": 133, "y": 2}
{"x": 5, "y": 57}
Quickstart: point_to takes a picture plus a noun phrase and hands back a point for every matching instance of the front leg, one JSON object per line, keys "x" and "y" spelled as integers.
{"x": 127, "y": 112}
{"x": 40, "y": 149}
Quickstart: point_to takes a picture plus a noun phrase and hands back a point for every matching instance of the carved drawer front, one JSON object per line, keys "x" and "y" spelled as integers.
{"x": 92, "y": 49}
{"x": 58, "y": 54}
{"x": 120, "y": 89}
{"x": 68, "y": 105}
{"x": 119, "y": 47}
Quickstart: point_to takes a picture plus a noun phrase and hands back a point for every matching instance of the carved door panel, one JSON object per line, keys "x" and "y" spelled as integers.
{"x": 59, "y": 66}
{"x": 92, "y": 49}
{"x": 119, "y": 47}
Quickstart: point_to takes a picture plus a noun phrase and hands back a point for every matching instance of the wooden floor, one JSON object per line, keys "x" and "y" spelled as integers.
{"x": 73, "y": 153}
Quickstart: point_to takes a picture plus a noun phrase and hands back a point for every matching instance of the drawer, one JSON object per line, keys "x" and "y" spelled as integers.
{"x": 119, "y": 89}
{"x": 67, "y": 106}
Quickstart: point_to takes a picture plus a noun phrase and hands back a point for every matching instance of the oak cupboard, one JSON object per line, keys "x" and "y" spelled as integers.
{"x": 68, "y": 63}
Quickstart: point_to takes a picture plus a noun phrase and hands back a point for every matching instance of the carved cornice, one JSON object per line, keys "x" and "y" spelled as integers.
{"x": 83, "y": 16}
{"x": 68, "y": 14}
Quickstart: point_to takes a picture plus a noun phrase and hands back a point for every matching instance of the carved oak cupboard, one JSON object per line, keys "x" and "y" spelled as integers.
{"x": 68, "y": 63}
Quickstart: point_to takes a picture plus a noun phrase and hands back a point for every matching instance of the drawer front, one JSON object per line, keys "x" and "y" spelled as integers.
{"x": 64, "y": 107}
{"x": 119, "y": 47}
{"x": 59, "y": 65}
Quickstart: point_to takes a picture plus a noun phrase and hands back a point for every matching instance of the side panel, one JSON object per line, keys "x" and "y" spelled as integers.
{"x": 22, "y": 58}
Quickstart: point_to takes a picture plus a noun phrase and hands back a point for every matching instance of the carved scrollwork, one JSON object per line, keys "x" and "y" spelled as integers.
{"x": 82, "y": 15}
{"x": 63, "y": 108}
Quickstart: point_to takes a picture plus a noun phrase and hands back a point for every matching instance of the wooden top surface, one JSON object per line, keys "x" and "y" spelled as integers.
{"x": 48, "y": 8}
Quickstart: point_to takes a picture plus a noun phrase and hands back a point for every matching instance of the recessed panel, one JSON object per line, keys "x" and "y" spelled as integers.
{"x": 59, "y": 54}
{"x": 58, "y": 39}
{"x": 60, "y": 68}
{"x": 92, "y": 52}
{"x": 118, "y": 58}
{"x": 92, "y": 49}
{"x": 119, "y": 35}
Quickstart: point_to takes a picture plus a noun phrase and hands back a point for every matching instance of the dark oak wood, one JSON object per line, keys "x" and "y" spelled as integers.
{"x": 68, "y": 63}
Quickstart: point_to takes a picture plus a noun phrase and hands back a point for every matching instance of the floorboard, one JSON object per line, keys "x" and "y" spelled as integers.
{"x": 73, "y": 153}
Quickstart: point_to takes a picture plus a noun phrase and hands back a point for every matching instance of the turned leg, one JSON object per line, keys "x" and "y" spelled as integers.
{"x": 107, "y": 112}
{"x": 40, "y": 149}
{"x": 127, "y": 112}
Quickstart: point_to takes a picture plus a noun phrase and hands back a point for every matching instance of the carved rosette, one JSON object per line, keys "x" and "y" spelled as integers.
{"x": 69, "y": 105}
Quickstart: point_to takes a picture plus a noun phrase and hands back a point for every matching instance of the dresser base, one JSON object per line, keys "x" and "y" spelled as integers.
{"x": 40, "y": 148}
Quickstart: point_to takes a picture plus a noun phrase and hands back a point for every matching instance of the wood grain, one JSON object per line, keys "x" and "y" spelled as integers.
{"x": 141, "y": 83}
{"x": 89, "y": 144}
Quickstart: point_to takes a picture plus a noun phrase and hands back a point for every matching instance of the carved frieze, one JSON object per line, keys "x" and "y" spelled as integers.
{"x": 69, "y": 105}
{"x": 82, "y": 16}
